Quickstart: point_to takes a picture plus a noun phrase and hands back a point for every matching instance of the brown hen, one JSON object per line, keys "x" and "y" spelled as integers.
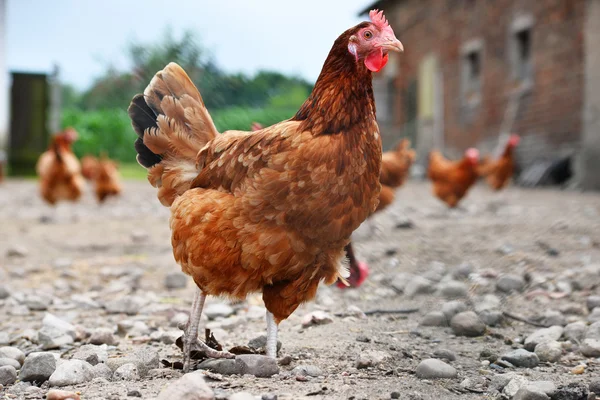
{"x": 452, "y": 179}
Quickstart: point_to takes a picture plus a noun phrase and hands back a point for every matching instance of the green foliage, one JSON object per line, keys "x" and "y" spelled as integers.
{"x": 240, "y": 118}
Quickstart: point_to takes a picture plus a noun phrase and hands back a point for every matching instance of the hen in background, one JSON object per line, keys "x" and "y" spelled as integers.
{"x": 59, "y": 170}
{"x": 452, "y": 179}
{"x": 271, "y": 210}
{"x": 499, "y": 172}
{"x": 89, "y": 164}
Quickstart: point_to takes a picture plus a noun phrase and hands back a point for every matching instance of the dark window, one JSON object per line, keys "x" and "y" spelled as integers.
{"x": 471, "y": 77}
{"x": 522, "y": 55}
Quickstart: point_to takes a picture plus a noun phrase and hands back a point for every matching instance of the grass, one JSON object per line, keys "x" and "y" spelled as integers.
{"x": 132, "y": 171}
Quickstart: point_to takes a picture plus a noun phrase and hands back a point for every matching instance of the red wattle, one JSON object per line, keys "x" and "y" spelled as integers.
{"x": 376, "y": 60}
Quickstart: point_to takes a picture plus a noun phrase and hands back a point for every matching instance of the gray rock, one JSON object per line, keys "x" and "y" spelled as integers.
{"x": 591, "y": 302}
{"x": 129, "y": 305}
{"x": 8, "y": 375}
{"x": 489, "y": 355}
{"x": 316, "y": 318}
{"x": 133, "y": 328}
{"x": 595, "y": 386}
{"x": 453, "y": 290}
{"x": 12, "y": 352}
{"x": 571, "y": 391}
{"x": 498, "y": 382}
{"x": 505, "y": 249}
{"x": 510, "y": 283}
{"x": 467, "y": 323}
{"x": 103, "y": 336}
{"x": 514, "y": 384}
{"x": 546, "y": 387}
{"x": 17, "y": 250}
{"x": 444, "y": 354}
{"x": 371, "y": 358}
{"x": 38, "y": 367}
{"x": 434, "y": 318}
{"x": 102, "y": 370}
{"x": 224, "y": 366}
{"x": 259, "y": 344}
{"x": 521, "y": 358}
{"x": 52, "y": 338}
{"x": 593, "y": 331}
{"x": 257, "y": 365}
{"x": 176, "y": 280}
{"x": 564, "y": 286}
{"x": 451, "y": 308}
{"x": 549, "y": 351}
{"x": 575, "y": 331}
{"x": 144, "y": 359}
{"x": 543, "y": 335}
{"x": 179, "y": 319}
{"x": 307, "y": 370}
{"x": 9, "y": 361}
{"x": 590, "y": 347}
{"x": 84, "y": 302}
{"x": 586, "y": 278}
{"x": 594, "y": 316}
{"x": 242, "y": 396}
{"x": 71, "y": 372}
{"x": 91, "y": 354}
{"x": 487, "y": 302}
{"x": 169, "y": 337}
{"x": 36, "y": 302}
{"x": 435, "y": 369}
{"x": 126, "y": 372}
{"x": 216, "y": 310}
{"x": 554, "y": 318}
{"x": 463, "y": 271}
{"x": 529, "y": 393}
{"x": 189, "y": 387}
{"x": 4, "y": 339}
{"x": 4, "y": 293}
{"x": 419, "y": 285}
{"x": 491, "y": 317}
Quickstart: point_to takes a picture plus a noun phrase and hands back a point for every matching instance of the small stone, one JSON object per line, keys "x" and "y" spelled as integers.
{"x": 53, "y": 322}
{"x": 549, "y": 351}
{"x": 8, "y": 375}
{"x": 522, "y": 358}
{"x": 55, "y": 394}
{"x": 241, "y": 396}
{"x": 463, "y": 271}
{"x": 488, "y": 355}
{"x": 595, "y": 386}
{"x": 491, "y": 317}
{"x": 134, "y": 393}
{"x": 578, "y": 370}
{"x": 223, "y": 366}
{"x": 419, "y": 285}
{"x": 129, "y": 305}
{"x": 102, "y": 371}
{"x": 444, "y": 354}
{"x": 259, "y": 344}
{"x": 451, "y": 308}
{"x": 591, "y": 302}
{"x": 268, "y": 396}
{"x": 453, "y": 290}
{"x": 505, "y": 249}
{"x": 371, "y": 358}
{"x": 593, "y": 331}
{"x": 285, "y": 360}
{"x": 169, "y": 337}
{"x": 546, "y": 387}
{"x": 510, "y": 283}
{"x": 216, "y": 310}
{"x": 91, "y": 354}
{"x": 257, "y": 365}
{"x": 71, "y": 372}
{"x": 189, "y": 387}
{"x": 103, "y": 336}
{"x": 126, "y": 372}
{"x": 572, "y": 391}
{"x": 434, "y": 318}
{"x": 590, "y": 347}
{"x": 12, "y": 352}
{"x": 435, "y": 369}
{"x": 38, "y": 367}
{"x": 17, "y": 250}
{"x": 554, "y": 318}
{"x": 552, "y": 333}
{"x": 512, "y": 387}
{"x": 52, "y": 338}
{"x": 133, "y": 328}
{"x": 395, "y": 395}
{"x": 176, "y": 280}
{"x": 4, "y": 293}
{"x": 9, "y": 361}
{"x": 363, "y": 339}
{"x": 467, "y": 323}
{"x": 307, "y": 370}
{"x": 575, "y": 331}
{"x": 179, "y": 319}
{"x": 528, "y": 393}
{"x": 594, "y": 316}
{"x": 487, "y": 302}
{"x": 316, "y": 318}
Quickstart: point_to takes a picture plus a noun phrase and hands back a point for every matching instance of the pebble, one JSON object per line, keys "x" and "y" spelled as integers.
{"x": 590, "y": 347}
{"x": 9, "y": 361}
{"x": 134, "y": 393}
{"x": 463, "y": 271}
{"x": 435, "y": 369}
{"x": 453, "y": 290}
{"x": 575, "y": 331}
{"x": 491, "y": 317}
{"x": 4, "y": 293}
{"x": 8, "y": 375}
{"x": 223, "y": 366}
{"x": 190, "y": 386}
{"x": 259, "y": 344}
{"x": 144, "y": 359}
{"x": 92, "y": 354}
{"x": 434, "y": 318}
{"x": 55, "y": 394}
{"x": 528, "y": 393}
{"x": 129, "y": 305}
{"x": 135, "y": 328}
{"x": 571, "y": 391}
{"x": 176, "y": 280}
{"x": 591, "y": 302}
{"x": 451, "y": 308}
{"x": 103, "y": 336}
{"x": 126, "y": 372}
{"x": 242, "y": 396}
{"x": 12, "y": 352}
{"x": 578, "y": 370}
{"x": 102, "y": 371}
{"x": 594, "y": 316}
{"x": 549, "y": 351}
{"x": 38, "y": 367}
{"x": 371, "y": 358}
{"x": 487, "y": 302}
{"x": 593, "y": 331}
{"x": 216, "y": 310}
{"x": 510, "y": 283}
{"x": 467, "y": 323}
{"x": 488, "y": 355}
{"x": 71, "y": 372}
{"x": 444, "y": 354}
{"x": 521, "y": 358}
{"x": 515, "y": 383}
{"x": 179, "y": 319}
{"x": 554, "y": 318}
{"x": 307, "y": 370}
{"x": 543, "y": 335}
{"x": 419, "y": 285}
{"x": 257, "y": 365}
{"x": 316, "y": 318}
{"x": 595, "y": 386}
{"x": 17, "y": 250}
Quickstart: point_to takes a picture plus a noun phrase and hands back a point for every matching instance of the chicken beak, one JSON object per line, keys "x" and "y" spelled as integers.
{"x": 393, "y": 44}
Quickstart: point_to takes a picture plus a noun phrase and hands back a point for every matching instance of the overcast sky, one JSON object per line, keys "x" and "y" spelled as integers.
{"x": 83, "y": 36}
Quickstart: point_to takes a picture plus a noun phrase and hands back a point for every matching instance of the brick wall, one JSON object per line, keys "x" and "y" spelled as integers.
{"x": 549, "y": 115}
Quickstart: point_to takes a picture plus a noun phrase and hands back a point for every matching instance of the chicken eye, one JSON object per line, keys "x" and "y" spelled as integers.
{"x": 368, "y": 34}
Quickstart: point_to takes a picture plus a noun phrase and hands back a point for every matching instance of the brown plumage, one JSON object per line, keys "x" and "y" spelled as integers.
{"x": 267, "y": 211}
{"x": 89, "y": 164}
{"x": 107, "y": 181}
{"x": 59, "y": 170}
{"x": 452, "y": 179}
{"x": 499, "y": 172}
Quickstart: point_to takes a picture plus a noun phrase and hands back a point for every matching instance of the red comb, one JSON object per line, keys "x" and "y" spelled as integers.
{"x": 378, "y": 19}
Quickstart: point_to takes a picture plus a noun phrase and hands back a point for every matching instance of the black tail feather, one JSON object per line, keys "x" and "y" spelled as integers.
{"x": 142, "y": 118}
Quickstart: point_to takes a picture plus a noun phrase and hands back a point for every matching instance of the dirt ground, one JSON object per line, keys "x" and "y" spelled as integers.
{"x": 546, "y": 235}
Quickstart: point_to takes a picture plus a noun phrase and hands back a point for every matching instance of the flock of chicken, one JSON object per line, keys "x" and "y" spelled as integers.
{"x": 62, "y": 176}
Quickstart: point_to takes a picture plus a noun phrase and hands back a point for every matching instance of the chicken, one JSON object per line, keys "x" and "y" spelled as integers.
{"x": 106, "y": 179}
{"x": 499, "y": 172}
{"x": 88, "y": 167}
{"x": 59, "y": 170}
{"x": 452, "y": 179}
{"x": 267, "y": 211}
{"x": 395, "y": 166}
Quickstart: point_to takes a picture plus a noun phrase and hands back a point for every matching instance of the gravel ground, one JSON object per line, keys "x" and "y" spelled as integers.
{"x": 91, "y": 296}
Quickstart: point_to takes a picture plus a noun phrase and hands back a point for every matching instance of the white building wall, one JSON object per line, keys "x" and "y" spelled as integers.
{"x": 4, "y": 89}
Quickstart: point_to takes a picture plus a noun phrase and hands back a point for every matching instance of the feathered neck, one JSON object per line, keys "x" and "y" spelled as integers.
{"x": 343, "y": 94}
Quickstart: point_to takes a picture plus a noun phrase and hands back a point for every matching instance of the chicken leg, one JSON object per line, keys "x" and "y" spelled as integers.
{"x": 190, "y": 334}
{"x": 272, "y": 327}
